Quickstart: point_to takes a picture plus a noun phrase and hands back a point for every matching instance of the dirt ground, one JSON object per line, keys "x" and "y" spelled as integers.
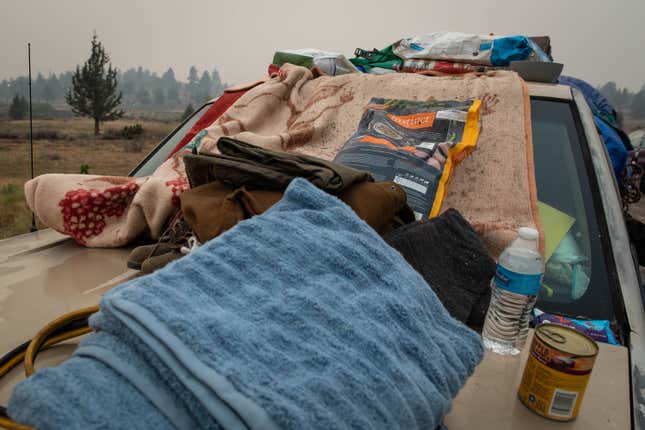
{"x": 63, "y": 146}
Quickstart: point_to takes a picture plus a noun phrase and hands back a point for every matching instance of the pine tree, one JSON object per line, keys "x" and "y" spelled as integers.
{"x": 168, "y": 79}
{"x": 18, "y": 108}
{"x": 39, "y": 87}
{"x": 5, "y": 95}
{"x": 53, "y": 90}
{"x": 193, "y": 83}
{"x": 93, "y": 92}
{"x": 159, "y": 96}
{"x": 170, "y": 86}
{"x": 218, "y": 87}
{"x": 143, "y": 96}
{"x": 173, "y": 94}
{"x": 204, "y": 87}
{"x": 610, "y": 91}
{"x": 638, "y": 104}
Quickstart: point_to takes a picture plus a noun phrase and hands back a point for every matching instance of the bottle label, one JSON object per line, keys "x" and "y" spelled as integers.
{"x": 517, "y": 283}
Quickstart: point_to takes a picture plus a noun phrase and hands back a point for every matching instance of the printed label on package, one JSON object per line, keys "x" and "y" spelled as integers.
{"x": 410, "y": 142}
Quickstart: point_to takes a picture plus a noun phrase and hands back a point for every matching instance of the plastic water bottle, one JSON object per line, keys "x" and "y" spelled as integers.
{"x": 515, "y": 288}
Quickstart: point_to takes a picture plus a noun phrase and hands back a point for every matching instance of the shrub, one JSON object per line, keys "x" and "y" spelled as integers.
{"x": 132, "y": 131}
{"x": 85, "y": 169}
{"x": 128, "y": 132}
{"x": 18, "y": 108}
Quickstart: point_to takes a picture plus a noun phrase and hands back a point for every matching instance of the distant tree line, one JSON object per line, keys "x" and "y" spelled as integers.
{"x": 624, "y": 100}
{"x": 141, "y": 88}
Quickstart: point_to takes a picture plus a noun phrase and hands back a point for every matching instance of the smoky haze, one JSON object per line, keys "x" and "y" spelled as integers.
{"x": 597, "y": 40}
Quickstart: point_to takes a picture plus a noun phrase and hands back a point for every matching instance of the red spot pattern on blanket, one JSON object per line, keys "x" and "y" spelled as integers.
{"x": 85, "y": 211}
{"x": 178, "y": 186}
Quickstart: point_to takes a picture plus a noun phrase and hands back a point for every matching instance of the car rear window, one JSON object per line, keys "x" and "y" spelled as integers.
{"x": 575, "y": 281}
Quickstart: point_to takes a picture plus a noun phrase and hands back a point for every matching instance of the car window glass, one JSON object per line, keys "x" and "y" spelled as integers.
{"x": 575, "y": 281}
{"x": 160, "y": 153}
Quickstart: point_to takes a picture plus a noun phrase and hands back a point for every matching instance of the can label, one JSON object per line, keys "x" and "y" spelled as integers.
{"x": 554, "y": 382}
{"x": 517, "y": 283}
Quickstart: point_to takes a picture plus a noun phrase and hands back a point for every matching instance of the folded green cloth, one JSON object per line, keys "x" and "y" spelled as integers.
{"x": 384, "y": 58}
{"x": 242, "y": 164}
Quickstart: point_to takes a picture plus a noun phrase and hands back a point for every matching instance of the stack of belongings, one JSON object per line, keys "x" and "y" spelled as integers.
{"x": 294, "y": 312}
{"x": 301, "y": 317}
{"x": 244, "y": 180}
{"x": 451, "y": 53}
{"x": 471, "y": 141}
{"x": 487, "y": 174}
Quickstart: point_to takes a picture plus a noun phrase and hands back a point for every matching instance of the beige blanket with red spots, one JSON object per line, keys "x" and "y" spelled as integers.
{"x": 494, "y": 187}
{"x": 107, "y": 211}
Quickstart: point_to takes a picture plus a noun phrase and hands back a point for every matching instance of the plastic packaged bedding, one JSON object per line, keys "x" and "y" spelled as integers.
{"x": 416, "y": 144}
{"x": 469, "y": 48}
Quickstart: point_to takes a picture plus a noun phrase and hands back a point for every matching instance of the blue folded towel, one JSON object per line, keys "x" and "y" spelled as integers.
{"x": 302, "y": 317}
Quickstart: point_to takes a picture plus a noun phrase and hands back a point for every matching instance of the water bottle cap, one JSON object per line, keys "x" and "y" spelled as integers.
{"x": 528, "y": 233}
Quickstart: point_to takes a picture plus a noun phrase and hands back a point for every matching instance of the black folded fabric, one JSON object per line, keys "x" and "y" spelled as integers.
{"x": 240, "y": 164}
{"x": 452, "y": 259}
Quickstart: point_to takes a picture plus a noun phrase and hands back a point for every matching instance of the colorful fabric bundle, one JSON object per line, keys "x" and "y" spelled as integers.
{"x": 469, "y": 48}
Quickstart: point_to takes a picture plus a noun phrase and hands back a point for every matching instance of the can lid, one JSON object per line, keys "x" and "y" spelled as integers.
{"x": 566, "y": 339}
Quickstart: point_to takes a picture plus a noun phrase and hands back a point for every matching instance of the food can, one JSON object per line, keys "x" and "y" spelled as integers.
{"x": 557, "y": 371}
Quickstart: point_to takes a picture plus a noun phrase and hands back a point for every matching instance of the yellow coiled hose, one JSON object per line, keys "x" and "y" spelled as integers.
{"x": 41, "y": 341}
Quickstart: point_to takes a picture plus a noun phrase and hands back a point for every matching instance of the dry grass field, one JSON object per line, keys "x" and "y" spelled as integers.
{"x": 63, "y": 146}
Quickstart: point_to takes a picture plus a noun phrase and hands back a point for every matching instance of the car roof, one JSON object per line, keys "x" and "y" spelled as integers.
{"x": 556, "y": 91}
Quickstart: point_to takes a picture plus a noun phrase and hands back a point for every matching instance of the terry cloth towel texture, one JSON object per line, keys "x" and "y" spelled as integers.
{"x": 241, "y": 164}
{"x": 450, "y": 256}
{"x": 493, "y": 188}
{"x": 299, "y": 318}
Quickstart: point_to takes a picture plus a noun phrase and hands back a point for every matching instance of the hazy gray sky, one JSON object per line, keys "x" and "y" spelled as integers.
{"x": 597, "y": 40}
